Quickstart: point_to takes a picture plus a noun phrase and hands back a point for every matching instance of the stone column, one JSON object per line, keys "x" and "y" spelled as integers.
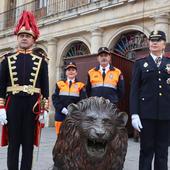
{"x": 162, "y": 23}
{"x": 52, "y": 55}
{"x": 96, "y": 40}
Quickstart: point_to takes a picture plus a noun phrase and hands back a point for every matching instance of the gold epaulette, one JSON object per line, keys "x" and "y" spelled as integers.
{"x": 3, "y": 55}
{"x": 2, "y": 58}
{"x": 41, "y": 54}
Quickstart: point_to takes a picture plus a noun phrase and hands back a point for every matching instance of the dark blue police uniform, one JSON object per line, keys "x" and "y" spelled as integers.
{"x": 150, "y": 98}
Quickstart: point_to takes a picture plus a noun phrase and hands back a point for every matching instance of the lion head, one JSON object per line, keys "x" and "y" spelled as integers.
{"x": 93, "y": 136}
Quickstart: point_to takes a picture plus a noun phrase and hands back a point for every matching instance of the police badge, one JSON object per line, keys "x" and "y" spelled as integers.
{"x": 145, "y": 64}
{"x": 168, "y": 68}
{"x": 76, "y": 86}
{"x": 168, "y": 81}
{"x": 111, "y": 76}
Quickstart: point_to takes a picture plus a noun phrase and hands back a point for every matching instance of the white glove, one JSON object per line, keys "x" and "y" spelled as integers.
{"x": 3, "y": 117}
{"x": 43, "y": 117}
{"x": 64, "y": 111}
{"x": 136, "y": 123}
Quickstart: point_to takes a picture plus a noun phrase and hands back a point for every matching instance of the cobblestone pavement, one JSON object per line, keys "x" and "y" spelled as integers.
{"x": 43, "y": 155}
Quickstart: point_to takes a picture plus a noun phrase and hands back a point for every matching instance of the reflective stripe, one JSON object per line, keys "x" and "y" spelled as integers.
{"x": 69, "y": 94}
{"x": 104, "y": 85}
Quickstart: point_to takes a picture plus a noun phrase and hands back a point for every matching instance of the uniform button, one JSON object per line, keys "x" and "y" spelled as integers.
{"x": 160, "y": 86}
{"x": 159, "y": 72}
{"x": 143, "y": 98}
{"x": 147, "y": 70}
{"x": 160, "y": 94}
{"x": 159, "y": 79}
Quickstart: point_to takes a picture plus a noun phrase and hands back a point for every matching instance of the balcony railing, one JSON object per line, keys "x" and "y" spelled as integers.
{"x": 57, "y": 8}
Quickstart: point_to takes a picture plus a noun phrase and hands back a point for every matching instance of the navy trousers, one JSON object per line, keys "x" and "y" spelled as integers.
{"x": 154, "y": 144}
{"x": 21, "y": 127}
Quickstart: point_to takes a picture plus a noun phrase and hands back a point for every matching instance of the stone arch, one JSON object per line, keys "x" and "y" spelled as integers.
{"x": 116, "y": 35}
{"x": 66, "y": 46}
{"x": 71, "y": 41}
{"x": 129, "y": 41}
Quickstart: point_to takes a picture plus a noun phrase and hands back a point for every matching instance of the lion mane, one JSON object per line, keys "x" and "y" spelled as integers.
{"x": 93, "y": 136}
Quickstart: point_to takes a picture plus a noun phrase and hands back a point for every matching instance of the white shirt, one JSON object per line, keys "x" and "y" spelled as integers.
{"x": 73, "y": 80}
{"x": 106, "y": 68}
{"x": 154, "y": 56}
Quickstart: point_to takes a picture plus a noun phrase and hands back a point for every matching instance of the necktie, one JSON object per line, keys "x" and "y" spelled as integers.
{"x": 70, "y": 83}
{"x": 104, "y": 73}
{"x": 158, "y": 61}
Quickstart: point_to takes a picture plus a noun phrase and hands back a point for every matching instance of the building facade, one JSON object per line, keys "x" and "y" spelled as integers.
{"x": 75, "y": 29}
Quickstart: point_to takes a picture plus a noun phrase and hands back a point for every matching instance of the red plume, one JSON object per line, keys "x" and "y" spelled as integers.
{"x": 28, "y": 22}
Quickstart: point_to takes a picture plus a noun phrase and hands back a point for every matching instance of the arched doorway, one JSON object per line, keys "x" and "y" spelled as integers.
{"x": 79, "y": 52}
{"x": 77, "y": 48}
{"x": 129, "y": 47}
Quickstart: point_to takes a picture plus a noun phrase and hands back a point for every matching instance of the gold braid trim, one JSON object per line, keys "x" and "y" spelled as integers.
{"x": 38, "y": 64}
{"x": 10, "y": 63}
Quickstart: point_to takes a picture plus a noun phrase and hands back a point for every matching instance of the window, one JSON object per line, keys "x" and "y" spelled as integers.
{"x": 41, "y": 3}
{"x": 130, "y": 43}
{"x": 41, "y": 8}
{"x": 76, "y": 49}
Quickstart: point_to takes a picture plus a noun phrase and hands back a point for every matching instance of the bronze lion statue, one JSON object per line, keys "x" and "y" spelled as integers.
{"x": 92, "y": 137}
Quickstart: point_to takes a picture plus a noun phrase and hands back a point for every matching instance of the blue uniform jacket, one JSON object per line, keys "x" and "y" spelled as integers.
{"x": 150, "y": 89}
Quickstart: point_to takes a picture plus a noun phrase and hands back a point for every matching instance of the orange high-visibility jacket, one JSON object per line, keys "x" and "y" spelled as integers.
{"x": 112, "y": 87}
{"x": 65, "y": 95}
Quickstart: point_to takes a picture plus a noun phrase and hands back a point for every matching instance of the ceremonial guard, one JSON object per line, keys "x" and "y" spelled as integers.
{"x": 24, "y": 92}
{"x": 105, "y": 80}
{"x": 67, "y": 91}
{"x": 149, "y": 103}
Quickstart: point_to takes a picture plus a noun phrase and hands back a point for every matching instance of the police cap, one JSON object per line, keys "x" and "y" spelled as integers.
{"x": 70, "y": 64}
{"x": 157, "y": 35}
{"x": 103, "y": 50}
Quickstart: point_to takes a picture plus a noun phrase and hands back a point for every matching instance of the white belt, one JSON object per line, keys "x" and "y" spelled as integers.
{"x": 25, "y": 88}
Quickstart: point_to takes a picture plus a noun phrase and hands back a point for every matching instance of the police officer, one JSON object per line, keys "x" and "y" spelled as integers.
{"x": 105, "y": 80}
{"x": 23, "y": 81}
{"x": 67, "y": 91}
{"x": 149, "y": 103}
